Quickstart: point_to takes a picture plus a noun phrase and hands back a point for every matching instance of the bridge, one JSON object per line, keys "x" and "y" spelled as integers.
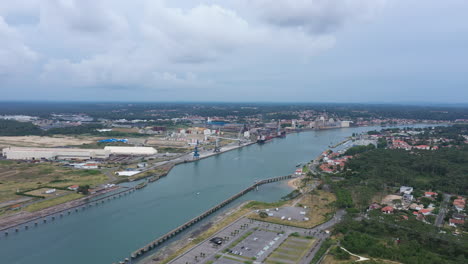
{"x": 153, "y": 244}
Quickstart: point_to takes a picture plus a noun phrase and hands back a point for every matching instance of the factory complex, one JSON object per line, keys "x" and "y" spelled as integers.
{"x": 25, "y": 153}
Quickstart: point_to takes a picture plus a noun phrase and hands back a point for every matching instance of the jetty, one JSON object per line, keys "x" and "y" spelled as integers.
{"x": 153, "y": 244}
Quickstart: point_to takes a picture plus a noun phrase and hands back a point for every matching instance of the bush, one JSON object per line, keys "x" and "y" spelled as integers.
{"x": 340, "y": 254}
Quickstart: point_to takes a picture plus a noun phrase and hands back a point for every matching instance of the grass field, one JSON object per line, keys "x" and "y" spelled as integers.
{"x": 293, "y": 249}
{"x": 41, "y": 192}
{"x": 26, "y": 176}
{"x": 51, "y": 202}
{"x": 320, "y": 205}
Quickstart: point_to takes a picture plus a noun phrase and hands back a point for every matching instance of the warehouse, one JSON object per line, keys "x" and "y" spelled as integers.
{"x": 22, "y": 153}
{"x": 132, "y": 151}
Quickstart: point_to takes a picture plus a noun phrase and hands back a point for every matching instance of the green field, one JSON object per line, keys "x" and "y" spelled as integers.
{"x": 292, "y": 249}
{"x": 21, "y": 176}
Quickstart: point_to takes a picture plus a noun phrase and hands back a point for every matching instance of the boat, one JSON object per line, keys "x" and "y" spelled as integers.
{"x": 261, "y": 139}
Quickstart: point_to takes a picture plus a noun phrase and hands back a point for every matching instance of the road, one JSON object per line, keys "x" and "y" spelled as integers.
{"x": 443, "y": 210}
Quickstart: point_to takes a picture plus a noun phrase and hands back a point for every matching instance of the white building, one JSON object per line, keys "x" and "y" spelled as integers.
{"x": 127, "y": 173}
{"x": 21, "y": 153}
{"x": 131, "y": 150}
{"x": 406, "y": 189}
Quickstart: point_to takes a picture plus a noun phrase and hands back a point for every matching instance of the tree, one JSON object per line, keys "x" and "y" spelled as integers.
{"x": 84, "y": 189}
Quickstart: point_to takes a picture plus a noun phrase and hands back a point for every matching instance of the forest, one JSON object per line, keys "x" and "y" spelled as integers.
{"x": 409, "y": 241}
{"x": 384, "y": 170}
{"x": 113, "y": 110}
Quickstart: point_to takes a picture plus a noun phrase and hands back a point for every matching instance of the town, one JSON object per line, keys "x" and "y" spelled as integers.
{"x": 78, "y": 158}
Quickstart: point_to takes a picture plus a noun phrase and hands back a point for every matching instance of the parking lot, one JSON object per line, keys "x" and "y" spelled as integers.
{"x": 291, "y": 213}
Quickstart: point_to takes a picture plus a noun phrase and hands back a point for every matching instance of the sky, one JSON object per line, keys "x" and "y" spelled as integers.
{"x": 234, "y": 50}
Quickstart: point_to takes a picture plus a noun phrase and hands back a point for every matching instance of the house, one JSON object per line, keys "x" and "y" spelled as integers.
{"x": 73, "y": 187}
{"x": 16, "y": 207}
{"x": 406, "y": 189}
{"x": 387, "y": 210}
{"x": 298, "y": 171}
{"x": 459, "y": 203}
{"x": 407, "y": 197}
{"x": 430, "y": 194}
{"x": 425, "y": 211}
{"x": 374, "y": 206}
{"x": 456, "y": 222}
{"x": 459, "y": 216}
{"x": 423, "y": 147}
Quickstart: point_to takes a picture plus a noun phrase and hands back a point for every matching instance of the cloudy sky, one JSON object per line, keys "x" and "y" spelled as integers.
{"x": 234, "y": 50}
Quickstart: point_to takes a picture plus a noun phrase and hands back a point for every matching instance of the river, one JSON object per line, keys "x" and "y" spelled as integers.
{"x": 111, "y": 231}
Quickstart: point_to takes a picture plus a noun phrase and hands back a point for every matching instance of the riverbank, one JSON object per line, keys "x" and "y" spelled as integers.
{"x": 25, "y": 216}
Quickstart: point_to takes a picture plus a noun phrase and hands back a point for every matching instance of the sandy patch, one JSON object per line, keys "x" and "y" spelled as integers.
{"x": 295, "y": 183}
{"x": 38, "y": 141}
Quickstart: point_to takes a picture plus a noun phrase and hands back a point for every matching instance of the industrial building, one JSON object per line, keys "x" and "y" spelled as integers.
{"x": 23, "y": 153}
{"x": 132, "y": 151}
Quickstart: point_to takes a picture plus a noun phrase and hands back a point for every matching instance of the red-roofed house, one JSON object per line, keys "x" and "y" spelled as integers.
{"x": 423, "y": 147}
{"x": 455, "y": 222}
{"x": 459, "y": 204}
{"x": 73, "y": 187}
{"x": 425, "y": 211}
{"x": 430, "y": 194}
{"x": 387, "y": 210}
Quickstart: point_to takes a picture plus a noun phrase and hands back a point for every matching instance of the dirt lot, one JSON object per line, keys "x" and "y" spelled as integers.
{"x": 38, "y": 141}
{"x": 318, "y": 209}
{"x": 24, "y": 176}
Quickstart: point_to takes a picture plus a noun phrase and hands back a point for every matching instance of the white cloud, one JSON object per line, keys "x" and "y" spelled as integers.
{"x": 147, "y": 43}
{"x": 15, "y": 56}
{"x": 316, "y": 16}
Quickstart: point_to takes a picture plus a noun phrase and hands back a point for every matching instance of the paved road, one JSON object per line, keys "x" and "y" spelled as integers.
{"x": 443, "y": 210}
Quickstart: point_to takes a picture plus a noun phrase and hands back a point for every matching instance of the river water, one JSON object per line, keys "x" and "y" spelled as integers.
{"x": 111, "y": 231}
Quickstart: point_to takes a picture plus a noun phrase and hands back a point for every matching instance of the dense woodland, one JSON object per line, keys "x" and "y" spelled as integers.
{"x": 376, "y": 171}
{"x": 404, "y": 241}
{"x": 268, "y": 110}
{"x": 384, "y": 170}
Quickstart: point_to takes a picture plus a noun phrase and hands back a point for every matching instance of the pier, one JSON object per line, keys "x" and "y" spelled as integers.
{"x": 153, "y": 244}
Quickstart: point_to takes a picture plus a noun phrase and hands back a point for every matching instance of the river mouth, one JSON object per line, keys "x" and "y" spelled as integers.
{"x": 110, "y": 232}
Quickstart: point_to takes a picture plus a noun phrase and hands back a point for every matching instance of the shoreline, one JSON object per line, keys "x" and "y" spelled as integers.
{"x": 24, "y": 217}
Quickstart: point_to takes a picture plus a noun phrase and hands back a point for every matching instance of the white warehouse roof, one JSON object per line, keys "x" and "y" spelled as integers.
{"x": 23, "y": 153}
{"x": 131, "y": 150}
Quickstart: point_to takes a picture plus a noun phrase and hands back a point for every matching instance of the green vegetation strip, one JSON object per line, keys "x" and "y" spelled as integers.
{"x": 322, "y": 250}
{"x": 237, "y": 241}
